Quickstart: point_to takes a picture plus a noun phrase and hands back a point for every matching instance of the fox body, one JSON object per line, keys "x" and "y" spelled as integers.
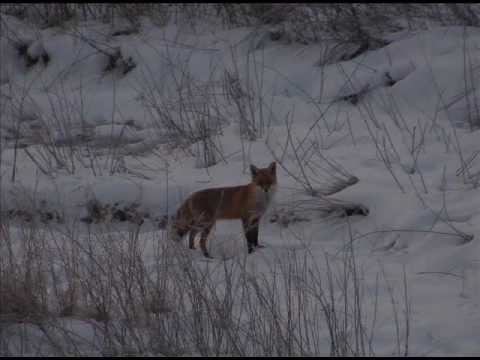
{"x": 202, "y": 209}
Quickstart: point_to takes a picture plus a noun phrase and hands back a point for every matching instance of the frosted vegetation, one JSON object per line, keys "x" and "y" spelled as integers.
{"x": 111, "y": 114}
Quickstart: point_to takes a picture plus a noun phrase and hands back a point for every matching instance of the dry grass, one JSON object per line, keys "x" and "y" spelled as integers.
{"x": 144, "y": 295}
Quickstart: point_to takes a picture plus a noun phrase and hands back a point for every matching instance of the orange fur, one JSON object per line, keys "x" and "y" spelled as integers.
{"x": 202, "y": 209}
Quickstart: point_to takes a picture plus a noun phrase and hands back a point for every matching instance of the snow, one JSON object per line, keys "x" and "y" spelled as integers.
{"x": 424, "y": 206}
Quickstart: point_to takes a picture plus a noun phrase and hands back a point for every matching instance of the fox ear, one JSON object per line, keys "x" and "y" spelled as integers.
{"x": 273, "y": 167}
{"x": 253, "y": 170}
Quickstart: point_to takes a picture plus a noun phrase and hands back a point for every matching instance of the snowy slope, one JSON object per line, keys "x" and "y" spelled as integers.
{"x": 402, "y": 119}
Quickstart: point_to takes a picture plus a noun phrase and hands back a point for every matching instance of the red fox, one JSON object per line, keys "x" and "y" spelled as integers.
{"x": 202, "y": 209}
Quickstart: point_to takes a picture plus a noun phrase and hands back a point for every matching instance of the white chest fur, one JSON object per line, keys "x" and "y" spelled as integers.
{"x": 263, "y": 199}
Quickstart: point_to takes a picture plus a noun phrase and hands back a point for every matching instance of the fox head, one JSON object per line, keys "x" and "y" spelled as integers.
{"x": 265, "y": 179}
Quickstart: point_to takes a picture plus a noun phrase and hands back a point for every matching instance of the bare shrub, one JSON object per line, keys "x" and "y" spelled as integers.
{"x": 247, "y": 94}
{"x": 23, "y": 280}
{"x": 58, "y": 137}
{"x": 186, "y": 113}
{"x": 305, "y": 162}
{"x": 47, "y": 15}
{"x": 356, "y": 23}
{"x": 292, "y": 212}
{"x": 146, "y": 295}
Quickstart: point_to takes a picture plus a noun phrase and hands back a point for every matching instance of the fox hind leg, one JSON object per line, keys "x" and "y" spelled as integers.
{"x": 203, "y": 239}
{"x": 191, "y": 237}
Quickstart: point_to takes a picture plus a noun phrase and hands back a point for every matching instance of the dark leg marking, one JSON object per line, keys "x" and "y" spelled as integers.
{"x": 191, "y": 238}
{"x": 203, "y": 240}
{"x": 251, "y": 233}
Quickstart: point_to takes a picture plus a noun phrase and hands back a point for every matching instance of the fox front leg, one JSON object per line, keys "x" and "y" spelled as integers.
{"x": 251, "y": 233}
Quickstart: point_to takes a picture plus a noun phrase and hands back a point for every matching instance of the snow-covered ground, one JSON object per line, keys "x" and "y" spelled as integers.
{"x": 403, "y": 119}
